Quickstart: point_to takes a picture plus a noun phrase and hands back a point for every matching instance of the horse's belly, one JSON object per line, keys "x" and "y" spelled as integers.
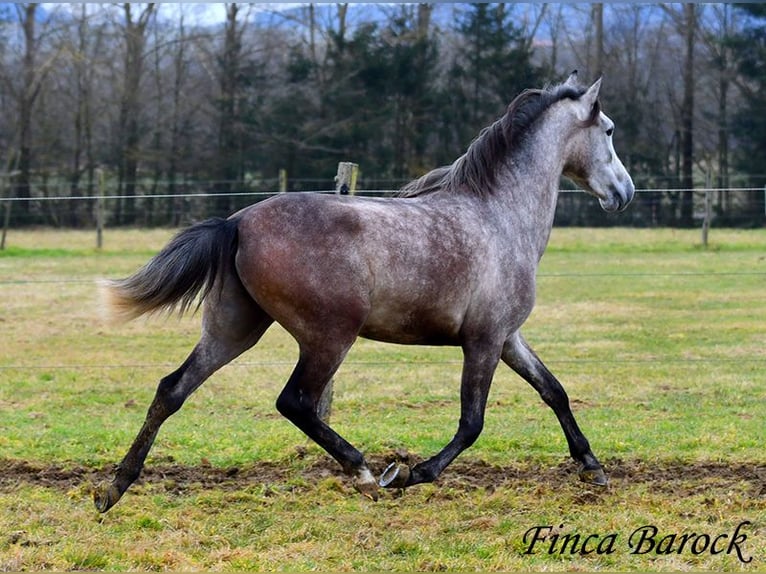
{"x": 409, "y": 338}
{"x": 412, "y": 325}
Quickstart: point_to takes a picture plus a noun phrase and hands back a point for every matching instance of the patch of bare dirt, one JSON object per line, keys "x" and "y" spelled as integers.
{"x": 677, "y": 477}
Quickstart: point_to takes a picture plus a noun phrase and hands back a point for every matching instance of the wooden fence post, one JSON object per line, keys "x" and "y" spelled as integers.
{"x": 100, "y": 209}
{"x": 6, "y": 211}
{"x": 5, "y": 180}
{"x": 282, "y": 180}
{"x": 345, "y": 184}
{"x": 708, "y": 211}
{"x": 345, "y": 181}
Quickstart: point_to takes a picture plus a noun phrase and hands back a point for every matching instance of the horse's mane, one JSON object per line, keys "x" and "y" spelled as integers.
{"x": 475, "y": 171}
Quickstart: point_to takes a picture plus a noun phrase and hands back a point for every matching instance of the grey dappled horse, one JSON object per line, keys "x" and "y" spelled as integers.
{"x": 452, "y": 261}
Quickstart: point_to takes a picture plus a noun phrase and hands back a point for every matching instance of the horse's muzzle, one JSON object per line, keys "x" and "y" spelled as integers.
{"x": 619, "y": 197}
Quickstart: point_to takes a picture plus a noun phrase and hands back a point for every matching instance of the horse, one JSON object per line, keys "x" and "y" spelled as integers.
{"x": 450, "y": 260}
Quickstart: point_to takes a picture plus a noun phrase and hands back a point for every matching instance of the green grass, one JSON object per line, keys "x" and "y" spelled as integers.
{"x": 659, "y": 343}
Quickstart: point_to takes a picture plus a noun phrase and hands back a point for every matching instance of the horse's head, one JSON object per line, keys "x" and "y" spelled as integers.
{"x": 591, "y": 161}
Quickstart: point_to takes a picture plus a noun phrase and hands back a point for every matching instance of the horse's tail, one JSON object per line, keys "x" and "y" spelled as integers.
{"x": 188, "y": 265}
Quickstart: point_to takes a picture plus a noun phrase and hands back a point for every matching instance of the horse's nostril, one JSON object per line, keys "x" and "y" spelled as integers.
{"x": 630, "y": 192}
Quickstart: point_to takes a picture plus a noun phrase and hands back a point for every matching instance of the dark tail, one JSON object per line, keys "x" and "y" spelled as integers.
{"x": 172, "y": 279}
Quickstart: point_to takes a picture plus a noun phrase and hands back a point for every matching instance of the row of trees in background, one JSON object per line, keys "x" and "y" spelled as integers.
{"x": 165, "y": 102}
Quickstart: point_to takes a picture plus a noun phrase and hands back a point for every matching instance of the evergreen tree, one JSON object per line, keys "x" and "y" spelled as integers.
{"x": 750, "y": 121}
{"x": 368, "y": 99}
{"x": 492, "y": 65}
{"x": 412, "y": 55}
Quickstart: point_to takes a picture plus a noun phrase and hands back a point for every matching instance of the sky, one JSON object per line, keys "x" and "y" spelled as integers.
{"x": 208, "y": 12}
{"x": 195, "y": 12}
{"x": 199, "y": 13}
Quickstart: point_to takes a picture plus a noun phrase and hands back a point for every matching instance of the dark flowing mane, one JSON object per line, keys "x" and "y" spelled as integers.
{"x": 475, "y": 171}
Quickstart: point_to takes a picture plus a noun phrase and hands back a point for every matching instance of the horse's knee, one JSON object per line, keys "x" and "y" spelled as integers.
{"x": 291, "y": 406}
{"x": 555, "y": 396}
{"x": 285, "y": 405}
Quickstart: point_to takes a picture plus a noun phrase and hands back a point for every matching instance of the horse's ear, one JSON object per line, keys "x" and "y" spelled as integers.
{"x": 589, "y": 100}
{"x": 592, "y": 94}
{"x": 572, "y": 79}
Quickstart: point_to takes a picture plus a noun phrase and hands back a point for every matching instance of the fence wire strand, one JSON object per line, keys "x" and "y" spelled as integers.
{"x": 352, "y": 363}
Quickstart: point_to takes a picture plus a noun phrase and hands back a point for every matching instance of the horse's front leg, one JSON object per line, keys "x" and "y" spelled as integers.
{"x": 479, "y": 364}
{"x": 521, "y": 358}
{"x": 300, "y": 401}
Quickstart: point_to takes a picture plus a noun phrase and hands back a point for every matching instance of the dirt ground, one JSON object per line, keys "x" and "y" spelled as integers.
{"x": 680, "y": 478}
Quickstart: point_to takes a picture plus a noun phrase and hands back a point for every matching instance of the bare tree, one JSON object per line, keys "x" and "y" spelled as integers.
{"x": 716, "y": 34}
{"x": 180, "y": 73}
{"x": 230, "y": 131}
{"x": 23, "y": 79}
{"x": 554, "y": 19}
{"x": 597, "y": 66}
{"x": 26, "y": 96}
{"x": 576, "y": 29}
{"x": 129, "y": 126}
{"x": 687, "y": 116}
{"x": 87, "y": 42}
{"x": 685, "y": 21}
{"x": 724, "y": 81}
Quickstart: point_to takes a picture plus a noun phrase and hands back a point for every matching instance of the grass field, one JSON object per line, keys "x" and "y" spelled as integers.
{"x": 659, "y": 343}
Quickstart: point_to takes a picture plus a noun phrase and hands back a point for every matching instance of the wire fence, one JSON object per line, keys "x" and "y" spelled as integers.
{"x": 193, "y": 201}
{"x": 189, "y": 203}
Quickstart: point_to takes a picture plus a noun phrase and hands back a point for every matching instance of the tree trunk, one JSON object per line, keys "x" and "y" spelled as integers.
{"x": 424, "y": 19}
{"x": 130, "y": 127}
{"x": 598, "y": 23}
{"x": 227, "y": 134}
{"x": 173, "y": 215}
{"x": 82, "y": 154}
{"x": 27, "y": 97}
{"x": 723, "y": 116}
{"x": 687, "y": 119}
{"x": 342, "y": 11}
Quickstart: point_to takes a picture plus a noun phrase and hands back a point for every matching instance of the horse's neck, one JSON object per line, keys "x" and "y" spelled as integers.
{"x": 529, "y": 189}
{"x": 533, "y": 176}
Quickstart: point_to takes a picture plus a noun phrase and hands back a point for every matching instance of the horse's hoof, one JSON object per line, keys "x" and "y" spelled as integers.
{"x": 105, "y": 496}
{"x": 395, "y": 476}
{"x": 593, "y": 476}
{"x": 367, "y": 489}
{"x": 366, "y": 485}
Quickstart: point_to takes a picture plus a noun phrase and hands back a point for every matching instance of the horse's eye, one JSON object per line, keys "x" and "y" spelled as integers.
{"x": 609, "y": 132}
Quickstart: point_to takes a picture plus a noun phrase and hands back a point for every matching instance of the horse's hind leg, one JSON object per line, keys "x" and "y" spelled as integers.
{"x": 231, "y": 325}
{"x": 522, "y": 359}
